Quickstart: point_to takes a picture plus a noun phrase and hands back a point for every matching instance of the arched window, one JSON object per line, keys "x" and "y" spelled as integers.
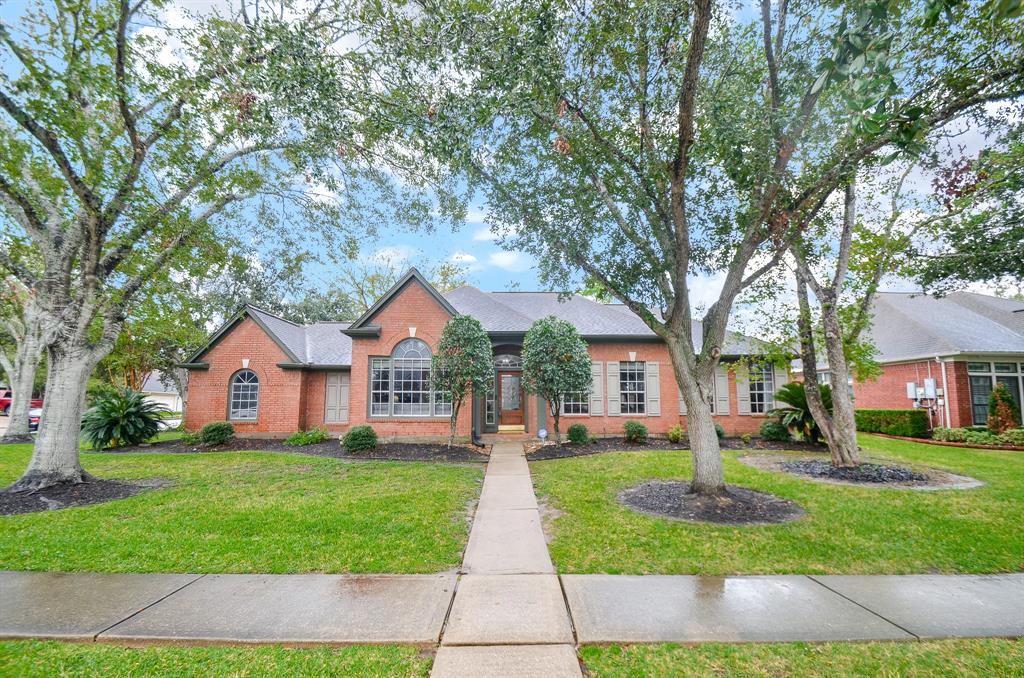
{"x": 508, "y": 361}
{"x": 245, "y": 396}
{"x": 400, "y": 384}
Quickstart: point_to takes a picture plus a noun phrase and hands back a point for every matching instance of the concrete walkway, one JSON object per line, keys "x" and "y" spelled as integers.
{"x": 509, "y": 616}
{"x": 506, "y": 612}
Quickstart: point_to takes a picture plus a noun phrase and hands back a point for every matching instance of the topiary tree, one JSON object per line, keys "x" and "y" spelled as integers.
{"x": 555, "y": 363}
{"x": 1003, "y": 413}
{"x": 462, "y": 364}
{"x": 121, "y": 418}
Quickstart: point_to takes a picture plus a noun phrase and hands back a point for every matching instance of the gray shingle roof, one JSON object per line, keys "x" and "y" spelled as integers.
{"x": 514, "y": 312}
{"x": 909, "y": 326}
{"x": 316, "y": 344}
{"x": 324, "y": 344}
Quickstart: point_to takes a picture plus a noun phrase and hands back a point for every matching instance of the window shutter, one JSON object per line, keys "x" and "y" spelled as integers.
{"x": 336, "y": 398}
{"x": 596, "y": 389}
{"x": 682, "y": 402}
{"x": 781, "y": 378}
{"x": 614, "y": 406}
{"x": 653, "y": 390}
{"x": 722, "y": 391}
{"x": 742, "y": 391}
{"x": 343, "y": 389}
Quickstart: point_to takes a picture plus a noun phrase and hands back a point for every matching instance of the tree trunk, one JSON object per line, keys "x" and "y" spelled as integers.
{"x": 21, "y": 375}
{"x": 843, "y": 442}
{"x": 55, "y": 457}
{"x": 453, "y": 422}
{"x": 838, "y": 428}
{"x": 555, "y": 417}
{"x": 708, "y": 472}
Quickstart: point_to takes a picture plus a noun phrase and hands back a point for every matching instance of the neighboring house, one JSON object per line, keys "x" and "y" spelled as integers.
{"x": 269, "y": 376}
{"x": 155, "y": 390}
{"x": 965, "y": 342}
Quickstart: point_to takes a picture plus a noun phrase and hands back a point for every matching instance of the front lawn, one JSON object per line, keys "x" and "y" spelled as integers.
{"x": 250, "y": 512}
{"x": 848, "y": 530}
{"x": 980, "y": 657}
{"x": 34, "y": 659}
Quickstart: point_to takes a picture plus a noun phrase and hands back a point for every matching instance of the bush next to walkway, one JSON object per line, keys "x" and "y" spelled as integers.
{"x": 360, "y": 438}
{"x": 556, "y": 365}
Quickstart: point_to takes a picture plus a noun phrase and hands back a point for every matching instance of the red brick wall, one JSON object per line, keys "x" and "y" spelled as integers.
{"x": 889, "y": 390}
{"x": 733, "y": 423}
{"x": 412, "y": 307}
{"x": 281, "y": 406}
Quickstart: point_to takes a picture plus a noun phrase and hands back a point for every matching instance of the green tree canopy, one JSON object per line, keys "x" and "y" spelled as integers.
{"x": 462, "y": 365}
{"x": 555, "y": 363}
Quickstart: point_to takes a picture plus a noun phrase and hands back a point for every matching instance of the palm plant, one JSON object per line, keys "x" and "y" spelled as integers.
{"x": 797, "y": 417}
{"x": 121, "y": 418}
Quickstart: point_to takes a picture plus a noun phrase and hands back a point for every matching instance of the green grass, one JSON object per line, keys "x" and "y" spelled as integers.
{"x": 848, "y": 530}
{"x": 250, "y": 512}
{"x": 988, "y": 657}
{"x": 28, "y": 659}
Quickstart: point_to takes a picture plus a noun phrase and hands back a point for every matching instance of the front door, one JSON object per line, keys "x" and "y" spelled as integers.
{"x": 510, "y": 398}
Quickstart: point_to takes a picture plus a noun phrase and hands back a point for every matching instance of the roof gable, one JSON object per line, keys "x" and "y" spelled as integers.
{"x": 362, "y": 325}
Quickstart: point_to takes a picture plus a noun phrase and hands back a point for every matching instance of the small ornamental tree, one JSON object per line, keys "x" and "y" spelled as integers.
{"x": 1003, "y": 413}
{"x": 555, "y": 363}
{"x": 462, "y": 364}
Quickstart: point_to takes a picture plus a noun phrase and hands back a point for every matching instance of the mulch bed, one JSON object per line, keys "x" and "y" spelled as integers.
{"x": 863, "y": 473}
{"x": 566, "y": 449}
{"x": 868, "y": 474}
{"x": 67, "y": 495}
{"x": 738, "y": 506}
{"x": 328, "y": 448}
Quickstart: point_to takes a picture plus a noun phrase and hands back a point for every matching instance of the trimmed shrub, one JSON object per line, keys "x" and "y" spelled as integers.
{"x": 578, "y": 434}
{"x": 360, "y": 438}
{"x": 973, "y": 436}
{"x": 719, "y": 431}
{"x": 216, "y": 433}
{"x": 746, "y": 438}
{"x": 310, "y": 437}
{"x": 676, "y": 434}
{"x": 773, "y": 430}
{"x": 635, "y": 432}
{"x": 909, "y": 423}
{"x": 121, "y": 418}
{"x": 1003, "y": 413}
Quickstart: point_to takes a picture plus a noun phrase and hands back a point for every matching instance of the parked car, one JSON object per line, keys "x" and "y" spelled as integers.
{"x": 33, "y": 419}
{"x": 5, "y": 402}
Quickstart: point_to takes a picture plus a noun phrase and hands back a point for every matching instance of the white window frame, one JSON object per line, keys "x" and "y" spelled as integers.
{"x": 576, "y": 404}
{"x": 237, "y": 389}
{"x": 760, "y": 379}
{"x": 408, "y": 374}
{"x": 639, "y": 405}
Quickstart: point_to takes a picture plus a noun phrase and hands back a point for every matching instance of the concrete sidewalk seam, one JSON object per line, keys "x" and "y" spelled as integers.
{"x": 448, "y": 612}
{"x": 96, "y": 637}
{"x": 568, "y": 611}
{"x": 862, "y": 606}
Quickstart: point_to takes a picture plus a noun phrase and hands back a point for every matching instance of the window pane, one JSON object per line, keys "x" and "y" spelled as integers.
{"x": 632, "y": 388}
{"x": 762, "y": 388}
{"x": 245, "y": 396}
{"x": 489, "y": 404}
{"x": 380, "y": 387}
{"x": 507, "y": 360}
{"x": 978, "y": 367}
{"x": 576, "y": 403}
{"x": 411, "y": 388}
{"x": 981, "y": 388}
{"x": 1006, "y": 367}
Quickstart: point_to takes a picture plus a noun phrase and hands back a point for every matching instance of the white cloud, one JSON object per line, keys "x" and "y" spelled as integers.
{"x": 395, "y": 256}
{"x": 516, "y": 262}
{"x": 485, "y": 235}
{"x": 463, "y": 258}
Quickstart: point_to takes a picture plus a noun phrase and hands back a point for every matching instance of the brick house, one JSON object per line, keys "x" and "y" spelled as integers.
{"x": 954, "y": 350}
{"x": 272, "y": 377}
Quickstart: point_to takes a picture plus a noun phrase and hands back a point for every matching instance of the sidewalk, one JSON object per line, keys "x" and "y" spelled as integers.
{"x": 505, "y": 612}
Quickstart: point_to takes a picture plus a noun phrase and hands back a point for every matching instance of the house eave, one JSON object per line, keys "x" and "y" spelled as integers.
{"x": 194, "y": 366}
{"x": 364, "y": 331}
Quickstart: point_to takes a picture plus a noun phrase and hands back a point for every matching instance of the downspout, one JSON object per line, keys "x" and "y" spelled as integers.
{"x": 945, "y": 394}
